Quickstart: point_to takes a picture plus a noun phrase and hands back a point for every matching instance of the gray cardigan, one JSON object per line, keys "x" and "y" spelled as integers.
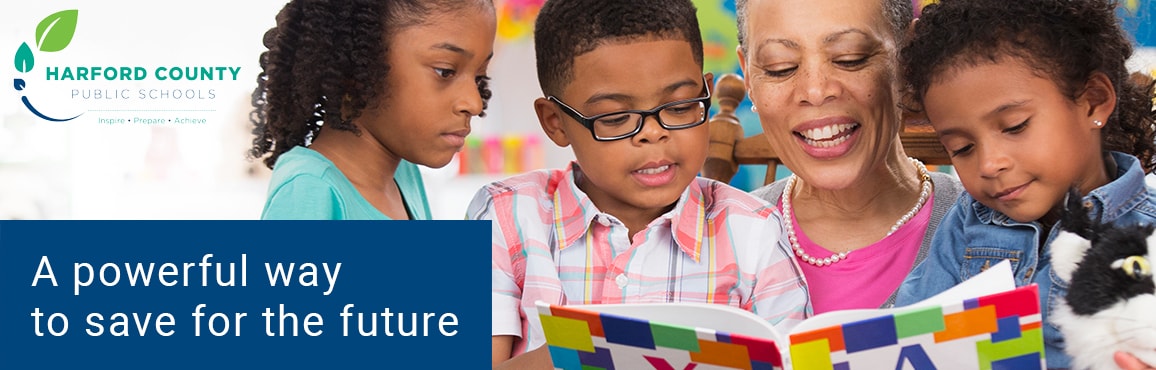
{"x": 947, "y": 190}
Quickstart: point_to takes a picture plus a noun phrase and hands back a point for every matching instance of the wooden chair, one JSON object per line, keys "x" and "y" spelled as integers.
{"x": 729, "y": 147}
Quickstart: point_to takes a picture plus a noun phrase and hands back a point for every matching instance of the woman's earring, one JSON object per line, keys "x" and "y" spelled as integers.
{"x": 1098, "y": 123}
{"x": 754, "y": 108}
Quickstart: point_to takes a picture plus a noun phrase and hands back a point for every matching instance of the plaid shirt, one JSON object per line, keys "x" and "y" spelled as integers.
{"x": 551, "y": 243}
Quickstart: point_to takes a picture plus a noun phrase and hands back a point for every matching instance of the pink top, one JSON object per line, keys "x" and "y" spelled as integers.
{"x": 868, "y": 276}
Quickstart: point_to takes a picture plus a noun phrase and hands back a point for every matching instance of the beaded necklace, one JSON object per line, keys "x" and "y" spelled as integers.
{"x": 924, "y": 194}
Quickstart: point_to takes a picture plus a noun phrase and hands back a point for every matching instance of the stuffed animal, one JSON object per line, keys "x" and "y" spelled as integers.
{"x": 1110, "y": 304}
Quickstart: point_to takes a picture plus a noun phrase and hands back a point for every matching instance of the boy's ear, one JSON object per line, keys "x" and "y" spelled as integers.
{"x": 709, "y": 78}
{"x": 1098, "y": 98}
{"x": 551, "y": 120}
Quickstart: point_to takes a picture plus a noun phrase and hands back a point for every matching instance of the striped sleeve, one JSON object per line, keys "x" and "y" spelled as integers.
{"x": 506, "y": 295}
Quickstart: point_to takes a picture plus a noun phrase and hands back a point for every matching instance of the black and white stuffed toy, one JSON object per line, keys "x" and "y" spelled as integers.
{"x": 1110, "y": 304}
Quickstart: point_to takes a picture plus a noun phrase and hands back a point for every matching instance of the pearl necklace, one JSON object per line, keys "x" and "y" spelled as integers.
{"x": 924, "y": 178}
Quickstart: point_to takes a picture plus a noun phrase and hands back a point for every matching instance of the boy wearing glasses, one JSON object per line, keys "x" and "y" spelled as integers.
{"x": 629, "y": 221}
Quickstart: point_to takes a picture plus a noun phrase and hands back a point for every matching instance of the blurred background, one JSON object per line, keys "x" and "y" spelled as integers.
{"x": 85, "y": 170}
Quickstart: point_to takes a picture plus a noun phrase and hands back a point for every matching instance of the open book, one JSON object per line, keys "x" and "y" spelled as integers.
{"x": 983, "y": 323}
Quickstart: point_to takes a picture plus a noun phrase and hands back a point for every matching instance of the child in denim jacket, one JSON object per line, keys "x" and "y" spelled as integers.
{"x": 1030, "y": 98}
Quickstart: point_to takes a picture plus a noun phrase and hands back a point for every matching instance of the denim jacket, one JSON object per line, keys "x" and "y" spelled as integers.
{"x": 972, "y": 237}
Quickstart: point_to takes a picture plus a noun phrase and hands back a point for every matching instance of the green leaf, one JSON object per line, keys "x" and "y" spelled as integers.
{"x": 55, "y": 31}
{"x": 24, "y": 59}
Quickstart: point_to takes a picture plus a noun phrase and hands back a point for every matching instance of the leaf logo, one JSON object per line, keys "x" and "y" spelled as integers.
{"x": 53, "y": 34}
{"x": 24, "y": 59}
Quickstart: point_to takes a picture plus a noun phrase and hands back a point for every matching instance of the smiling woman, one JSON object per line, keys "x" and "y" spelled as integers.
{"x": 858, "y": 212}
{"x": 341, "y": 141}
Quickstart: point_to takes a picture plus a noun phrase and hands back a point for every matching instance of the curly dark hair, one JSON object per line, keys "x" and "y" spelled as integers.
{"x": 1066, "y": 41}
{"x": 898, "y": 14}
{"x": 566, "y": 29}
{"x": 326, "y": 64}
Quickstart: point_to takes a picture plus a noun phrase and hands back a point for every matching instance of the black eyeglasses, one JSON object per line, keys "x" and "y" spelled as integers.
{"x": 623, "y": 124}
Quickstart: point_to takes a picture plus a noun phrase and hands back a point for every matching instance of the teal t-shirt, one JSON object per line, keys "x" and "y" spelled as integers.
{"x": 307, "y": 186}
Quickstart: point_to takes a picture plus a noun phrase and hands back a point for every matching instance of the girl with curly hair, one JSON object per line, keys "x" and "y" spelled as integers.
{"x": 354, "y": 94}
{"x": 1030, "y": 98}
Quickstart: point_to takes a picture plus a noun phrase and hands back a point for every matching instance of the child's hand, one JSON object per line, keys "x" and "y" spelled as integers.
{"x": 1128, "y": 362}
{"x": 536, "y": 359}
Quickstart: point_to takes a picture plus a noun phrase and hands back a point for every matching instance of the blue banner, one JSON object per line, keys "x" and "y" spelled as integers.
{"x": 255, "y": 294}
